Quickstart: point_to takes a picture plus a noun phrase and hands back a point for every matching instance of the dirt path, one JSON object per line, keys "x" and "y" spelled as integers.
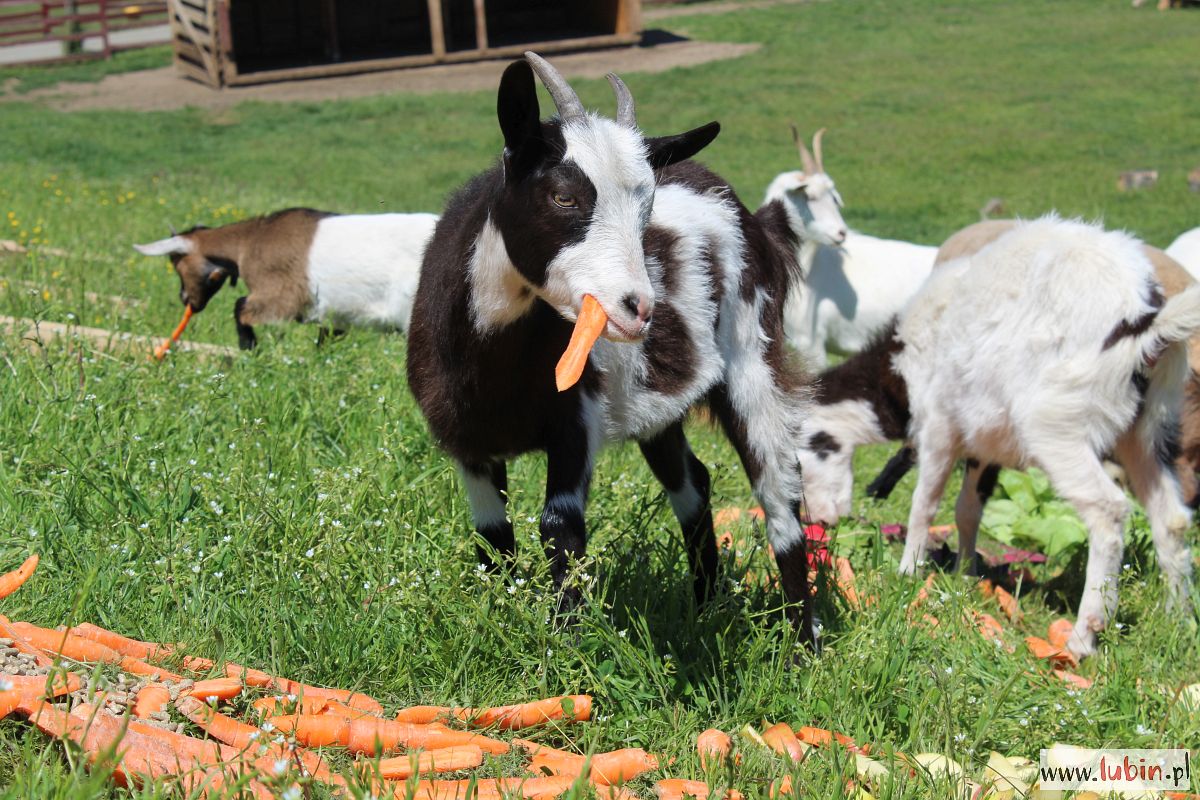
{"x": 165, "y": 90}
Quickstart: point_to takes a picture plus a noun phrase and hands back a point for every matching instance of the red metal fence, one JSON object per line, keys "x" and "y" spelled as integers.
{"x": 72, "y": 29}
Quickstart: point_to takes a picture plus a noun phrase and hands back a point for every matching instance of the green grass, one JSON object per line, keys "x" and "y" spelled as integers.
{"x": 26, "y": 79}
{"x": 181, "y": 501}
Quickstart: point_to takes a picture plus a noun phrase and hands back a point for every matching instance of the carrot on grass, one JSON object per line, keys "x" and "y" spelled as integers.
{"x": 220, "y": 688}
{"x": 588, "y": 326}
{"x": 1078, "y": 681}
{"x": 236, "y": 733}
{"x": 679, "y": 788}
{"x": 162, "y": 349}
{"x": 282, "y": 706}
{"x": 714, "y": 746}
{"x": 77, "y": 648}
{"x": 782, "y": 739}
{"x": 371, "y": 735}
{"x": 448, "y": 759}
{"x": 490, "y": 788}
{"x": 122, "y": 644}
{"x": 524, "y": 715}
{"x": 55, "y": 684}
{"x": 151, "y": 699}
{"x": 423, "y": 715}
{"x": 1060, "y": 632}
{"x": 12, "y": 581}
{"x": 1055, "y": 655}
{"x": 819, "y": 737}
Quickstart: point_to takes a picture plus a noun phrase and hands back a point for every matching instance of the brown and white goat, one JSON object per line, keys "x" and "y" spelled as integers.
{"x": 693, "y": 286}
{"x": 304, "y": 265}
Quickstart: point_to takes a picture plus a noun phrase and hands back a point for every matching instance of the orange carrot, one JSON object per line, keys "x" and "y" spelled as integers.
{"x": 242, "y": 736}
{"x": 280, "y": 706}
{"x": 1055, "y": 655}
{"x": 524, "y": 715}
{"x": 372, "y": 735}
{"x": 162, "y": 349}
{"x": 1008, "y": 604}
{"x": 819, "y": 737}
{"x": 989, "y": 627}
{"x": 12, "y": 581}
{"x": 250, "y": 677}
{"x": 678, "y": 788}
{"x": 423, "y": 715}
{"x": 588, "y": 326}
{"x": 352, "y": 699}
{"x": 122, "y": 644}
{"x": 52, "y": 685}
{"x": 79, "y": 649}
{"x": 314, "y": 730}
{"x": 9, "y": 700}
{"x": 846, "y": 581}
{"x": 1060, "y": 632}
{"x": 449, "y": 759}
{"x": 151, "y": 699}
{"x": 220, "y": 688}
{"x": 534, "y": 749}
{"x": 332, "y": 706}
{"x": 622, "y": 765}
{"x": 1078, "y": 681}
{"x": 714, "y": 746}
{"x": 780, "y": 738}
{"x": 491, "y": 788}
{"x": 603, "y": 769}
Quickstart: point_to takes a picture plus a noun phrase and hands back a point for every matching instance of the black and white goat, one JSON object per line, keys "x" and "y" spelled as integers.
{"x": 304, "y": 265}
{"x": 1051, "y": 346}
{"x": 693, "y": 286}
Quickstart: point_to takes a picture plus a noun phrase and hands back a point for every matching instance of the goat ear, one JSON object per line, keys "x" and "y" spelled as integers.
{"x": 520, "y": 117}
{"x": 164, "y": 247}
{"x": 667, "y": 150}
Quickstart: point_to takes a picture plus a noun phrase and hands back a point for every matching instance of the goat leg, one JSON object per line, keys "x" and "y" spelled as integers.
{"x": 246, "y": 338}
{"x": 687, "y": 483}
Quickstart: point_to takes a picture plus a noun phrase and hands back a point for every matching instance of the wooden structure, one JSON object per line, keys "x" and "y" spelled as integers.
{"x": 234, "y": 42}
{"x": 65, "y": 30}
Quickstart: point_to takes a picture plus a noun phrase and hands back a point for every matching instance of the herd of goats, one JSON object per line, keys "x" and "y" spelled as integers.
{"x": 1048, "y": 343}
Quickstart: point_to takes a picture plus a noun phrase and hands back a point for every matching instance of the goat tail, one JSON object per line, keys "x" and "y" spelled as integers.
{"x": 1177, "y": 321}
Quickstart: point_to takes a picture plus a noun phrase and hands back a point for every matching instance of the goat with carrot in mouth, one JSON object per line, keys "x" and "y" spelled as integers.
{"x": 675, "y": 293}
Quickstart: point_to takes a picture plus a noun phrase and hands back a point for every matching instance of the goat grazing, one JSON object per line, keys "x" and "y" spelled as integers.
{"x": 693, "y": 286}
{"x": 1051, "y": 346}
{"x": 1186, "y": 250}
{"x": 304, "y": 265}
{"x": 853, "y": 283}
{"x": 864, "y": 401}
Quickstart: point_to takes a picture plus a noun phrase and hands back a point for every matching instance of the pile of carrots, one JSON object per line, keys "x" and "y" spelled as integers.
{"x": 283, "y": 744}
{"x": 282, "y": 747}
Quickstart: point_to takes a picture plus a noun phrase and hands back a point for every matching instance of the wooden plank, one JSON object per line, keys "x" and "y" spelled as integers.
{"x": 39, "y": 334}
{"x": 437, "y": 33}
{"x": 401, "y": 62}
{"x": 481, "y": 35}
{"x": 629, "y": 16}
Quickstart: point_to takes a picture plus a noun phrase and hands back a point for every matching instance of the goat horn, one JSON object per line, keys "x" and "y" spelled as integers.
{"x": 817, "y": 149}
{"x": 171, "y": 228}
{"x": 625, "y": 112}
{"x": 806, "y": 159}
{"x": 565, "y": 99}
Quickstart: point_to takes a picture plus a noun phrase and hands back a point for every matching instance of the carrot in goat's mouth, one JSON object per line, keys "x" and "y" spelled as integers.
{"x": 162, "y": 349}
{"x": 588, "y": 327}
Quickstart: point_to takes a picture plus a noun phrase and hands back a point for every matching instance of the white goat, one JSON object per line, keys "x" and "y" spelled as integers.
{"x": 854, "y": 283}
{"x": 1052, "y": 347}
{"x": 1186, "y": 250}
{"x": 304, "y": 265}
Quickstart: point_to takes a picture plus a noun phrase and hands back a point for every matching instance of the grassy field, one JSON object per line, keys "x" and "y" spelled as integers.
{"x": 287, "y": 510}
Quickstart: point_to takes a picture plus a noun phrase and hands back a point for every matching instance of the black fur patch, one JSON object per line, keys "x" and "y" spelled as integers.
{"x": 987, "y": 482}
{"x": 868, "y": 376}
{"x": 670, "y": 352}
{"x": 659, "y": 244}
{"x": 895, "y": 469}
{"x": 823, "y": 444}
{"x": 1140, "y": 325}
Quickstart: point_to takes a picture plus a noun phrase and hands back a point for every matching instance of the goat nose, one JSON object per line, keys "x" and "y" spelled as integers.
{"x": 841, "y": 235}
{"x": 638, "y": 306}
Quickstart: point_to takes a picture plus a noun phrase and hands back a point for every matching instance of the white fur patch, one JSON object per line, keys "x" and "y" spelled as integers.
{"x": 363, "y": 268}
{"x": 609, "y": 263}
{"x": 499, "y": 294}
{"x": 175, "y": 245}
{"x": 487, "y": 504}
{"x": 829, "y": 480}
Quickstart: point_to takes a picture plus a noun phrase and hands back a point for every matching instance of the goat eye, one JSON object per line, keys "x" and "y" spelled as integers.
{"x": 564, "y": 200}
